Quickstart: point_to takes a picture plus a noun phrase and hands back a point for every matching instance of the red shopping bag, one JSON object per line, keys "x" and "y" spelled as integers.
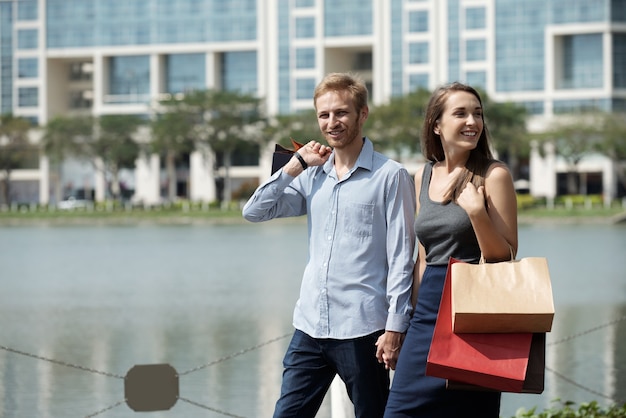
{"x": 495, "y": 361}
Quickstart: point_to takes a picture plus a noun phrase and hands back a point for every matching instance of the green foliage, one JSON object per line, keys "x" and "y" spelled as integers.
{"x": 301, "y": 126}
{"x": 66, "y": 136}
{"x": 525, "y": 201}
{"x": 115, "y": 143}
{"x": 15, "y": 148}
{"x": 569, "y": 410}
{"x": 397, "y": 125}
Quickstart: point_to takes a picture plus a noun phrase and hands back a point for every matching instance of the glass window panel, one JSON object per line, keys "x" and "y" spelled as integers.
{"x": 582, "y": 105}
{"x": 348, "y": 17}
{"x": 534, "y": 107}
{"x": 185, "y": 72}
{"x": 417, "y": 81}
{"x": 475, "y": 18}
{"x": 27, "y": 68}
{"x": 582, "y": 62}
{"x": 28, "y": 97}
{"x": 475, "y": 50}
{"x": 305, "y": 3}
{"x": 418, "y": 53}
{"x": 618, "y": 10}
{"x": 304, "y": 88}
{"x": 619, "y": 60}
{"x": 476, "y": 79}
{"x": 27, "y": 39}
{"x": 305, "y": 58}
{"x": 305, "y": 27}
{"x": 27, "y": 10}
{"x": 239, "y": 71}
{"x": 129, "y": 78}
{"x": 418, "y": 21}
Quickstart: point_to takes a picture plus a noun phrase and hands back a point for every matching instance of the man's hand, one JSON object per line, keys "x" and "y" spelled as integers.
{"x": 388, "y": 348}
{"x": 315, "y": 153}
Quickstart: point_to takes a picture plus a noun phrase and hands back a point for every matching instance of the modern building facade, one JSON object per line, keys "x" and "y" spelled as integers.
{"x": 59, "y": 57}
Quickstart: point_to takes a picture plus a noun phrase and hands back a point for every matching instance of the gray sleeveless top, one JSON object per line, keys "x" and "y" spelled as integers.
{"x": 444, "y": 229}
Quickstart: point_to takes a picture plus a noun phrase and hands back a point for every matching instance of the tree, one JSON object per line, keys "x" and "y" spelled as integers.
{"x": 231, "y": 120}
{"x": 115, "y": 146}
{"x": 15, "y": 148}
{"x": 574, "y": 137}
{"x": 172, "y": 136}
{"x": 300, "y": 126}
{"x": 221, "y": 120}
{"x": 397, "y": 125}
{"x": 62, "y": 139}
{"x": 506, "y": 122}
{"x": 107, "y": 139}
{"x": 612, "y": 141}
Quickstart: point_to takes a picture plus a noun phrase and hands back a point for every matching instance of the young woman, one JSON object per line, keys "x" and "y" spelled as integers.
{"x": 466, "y": 206}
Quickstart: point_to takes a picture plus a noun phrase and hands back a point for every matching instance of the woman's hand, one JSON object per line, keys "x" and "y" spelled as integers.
{"x": 472, "y": 199}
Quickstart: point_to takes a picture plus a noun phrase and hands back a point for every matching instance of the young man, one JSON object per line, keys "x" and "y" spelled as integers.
{"x": 355, "y": 298}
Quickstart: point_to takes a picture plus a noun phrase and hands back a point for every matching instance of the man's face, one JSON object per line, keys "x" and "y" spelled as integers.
{"x": 338, "y": 119}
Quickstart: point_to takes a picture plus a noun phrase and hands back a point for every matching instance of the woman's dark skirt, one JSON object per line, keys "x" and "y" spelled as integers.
{"x": 413, "y": 394}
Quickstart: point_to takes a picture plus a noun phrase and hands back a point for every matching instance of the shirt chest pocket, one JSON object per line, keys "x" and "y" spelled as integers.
{"x": 358, "y": 219}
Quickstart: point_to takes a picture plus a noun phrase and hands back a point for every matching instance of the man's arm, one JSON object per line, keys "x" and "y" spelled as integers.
{"x": 400, "y": 248}
{"x": 275, "y": 198}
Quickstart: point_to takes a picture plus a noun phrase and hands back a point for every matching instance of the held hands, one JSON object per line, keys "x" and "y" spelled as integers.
{"x": 388, "y": 348}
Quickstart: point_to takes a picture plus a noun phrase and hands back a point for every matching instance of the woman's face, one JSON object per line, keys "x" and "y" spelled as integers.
{"x": 461, "y": 122}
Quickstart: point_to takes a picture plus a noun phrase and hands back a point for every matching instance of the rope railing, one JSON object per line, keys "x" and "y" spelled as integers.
{"x": 273, "y": 340}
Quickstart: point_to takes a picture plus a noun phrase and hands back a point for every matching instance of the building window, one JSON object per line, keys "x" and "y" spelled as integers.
{"x": 185, "y": 72}
{"x": 418, "y": 53}
{"x": 363, "y": 61}
{"x": 305, "y": 58}
{"x": 305, "y": 27}
{"x": 618, "y": 10}
{"x": 534, "y": 107}
{"x": 27, "y": 39}
{"x": 348, "y": 18}
{"x": 304, "y": 3}
{"x": 81, "y": 71}
{"x": 239, "y": 71}
{"x": 27, "y": 10}
{"x": 28, "y": 68}
{"x": 304, "y": 88}
{"x": 475, "y": 50}
{"x": 28, "y": 97}
{"x": 418, "y": 81}
{"x": 619, "y": 61}
{"x": 475, "y": 18}
{"x": 476, "y": 79}
{"x": 418, "y": 21}
{"x": 82, "y": 99}
{"x": 581, "y": 62}
{"x": 129, "y": 79}
{"x": 582, "y": 105}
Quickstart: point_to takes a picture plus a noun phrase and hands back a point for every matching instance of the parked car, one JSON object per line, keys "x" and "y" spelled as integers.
{"x": 72, "y": 203}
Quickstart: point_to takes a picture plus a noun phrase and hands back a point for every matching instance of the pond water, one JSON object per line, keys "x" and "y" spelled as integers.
{"x": 81, "y": 305}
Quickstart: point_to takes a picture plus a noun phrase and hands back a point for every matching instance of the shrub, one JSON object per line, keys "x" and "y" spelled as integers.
{"x": 568, "y": 410}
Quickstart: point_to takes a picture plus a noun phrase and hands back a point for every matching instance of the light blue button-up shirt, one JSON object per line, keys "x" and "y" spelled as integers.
{"x": 361, "y": 240}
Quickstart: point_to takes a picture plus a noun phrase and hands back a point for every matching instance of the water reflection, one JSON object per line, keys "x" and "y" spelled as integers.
{"x": 108, "y": 298}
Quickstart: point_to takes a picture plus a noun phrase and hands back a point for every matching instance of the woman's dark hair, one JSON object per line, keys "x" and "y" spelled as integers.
{"x": 480, "y": 158}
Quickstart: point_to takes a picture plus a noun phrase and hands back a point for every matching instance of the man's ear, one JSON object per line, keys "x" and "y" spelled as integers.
{"x": 364, "y": 113}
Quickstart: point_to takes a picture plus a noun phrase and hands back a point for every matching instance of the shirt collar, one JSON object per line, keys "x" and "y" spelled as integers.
{"x": 365, "y": 160}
